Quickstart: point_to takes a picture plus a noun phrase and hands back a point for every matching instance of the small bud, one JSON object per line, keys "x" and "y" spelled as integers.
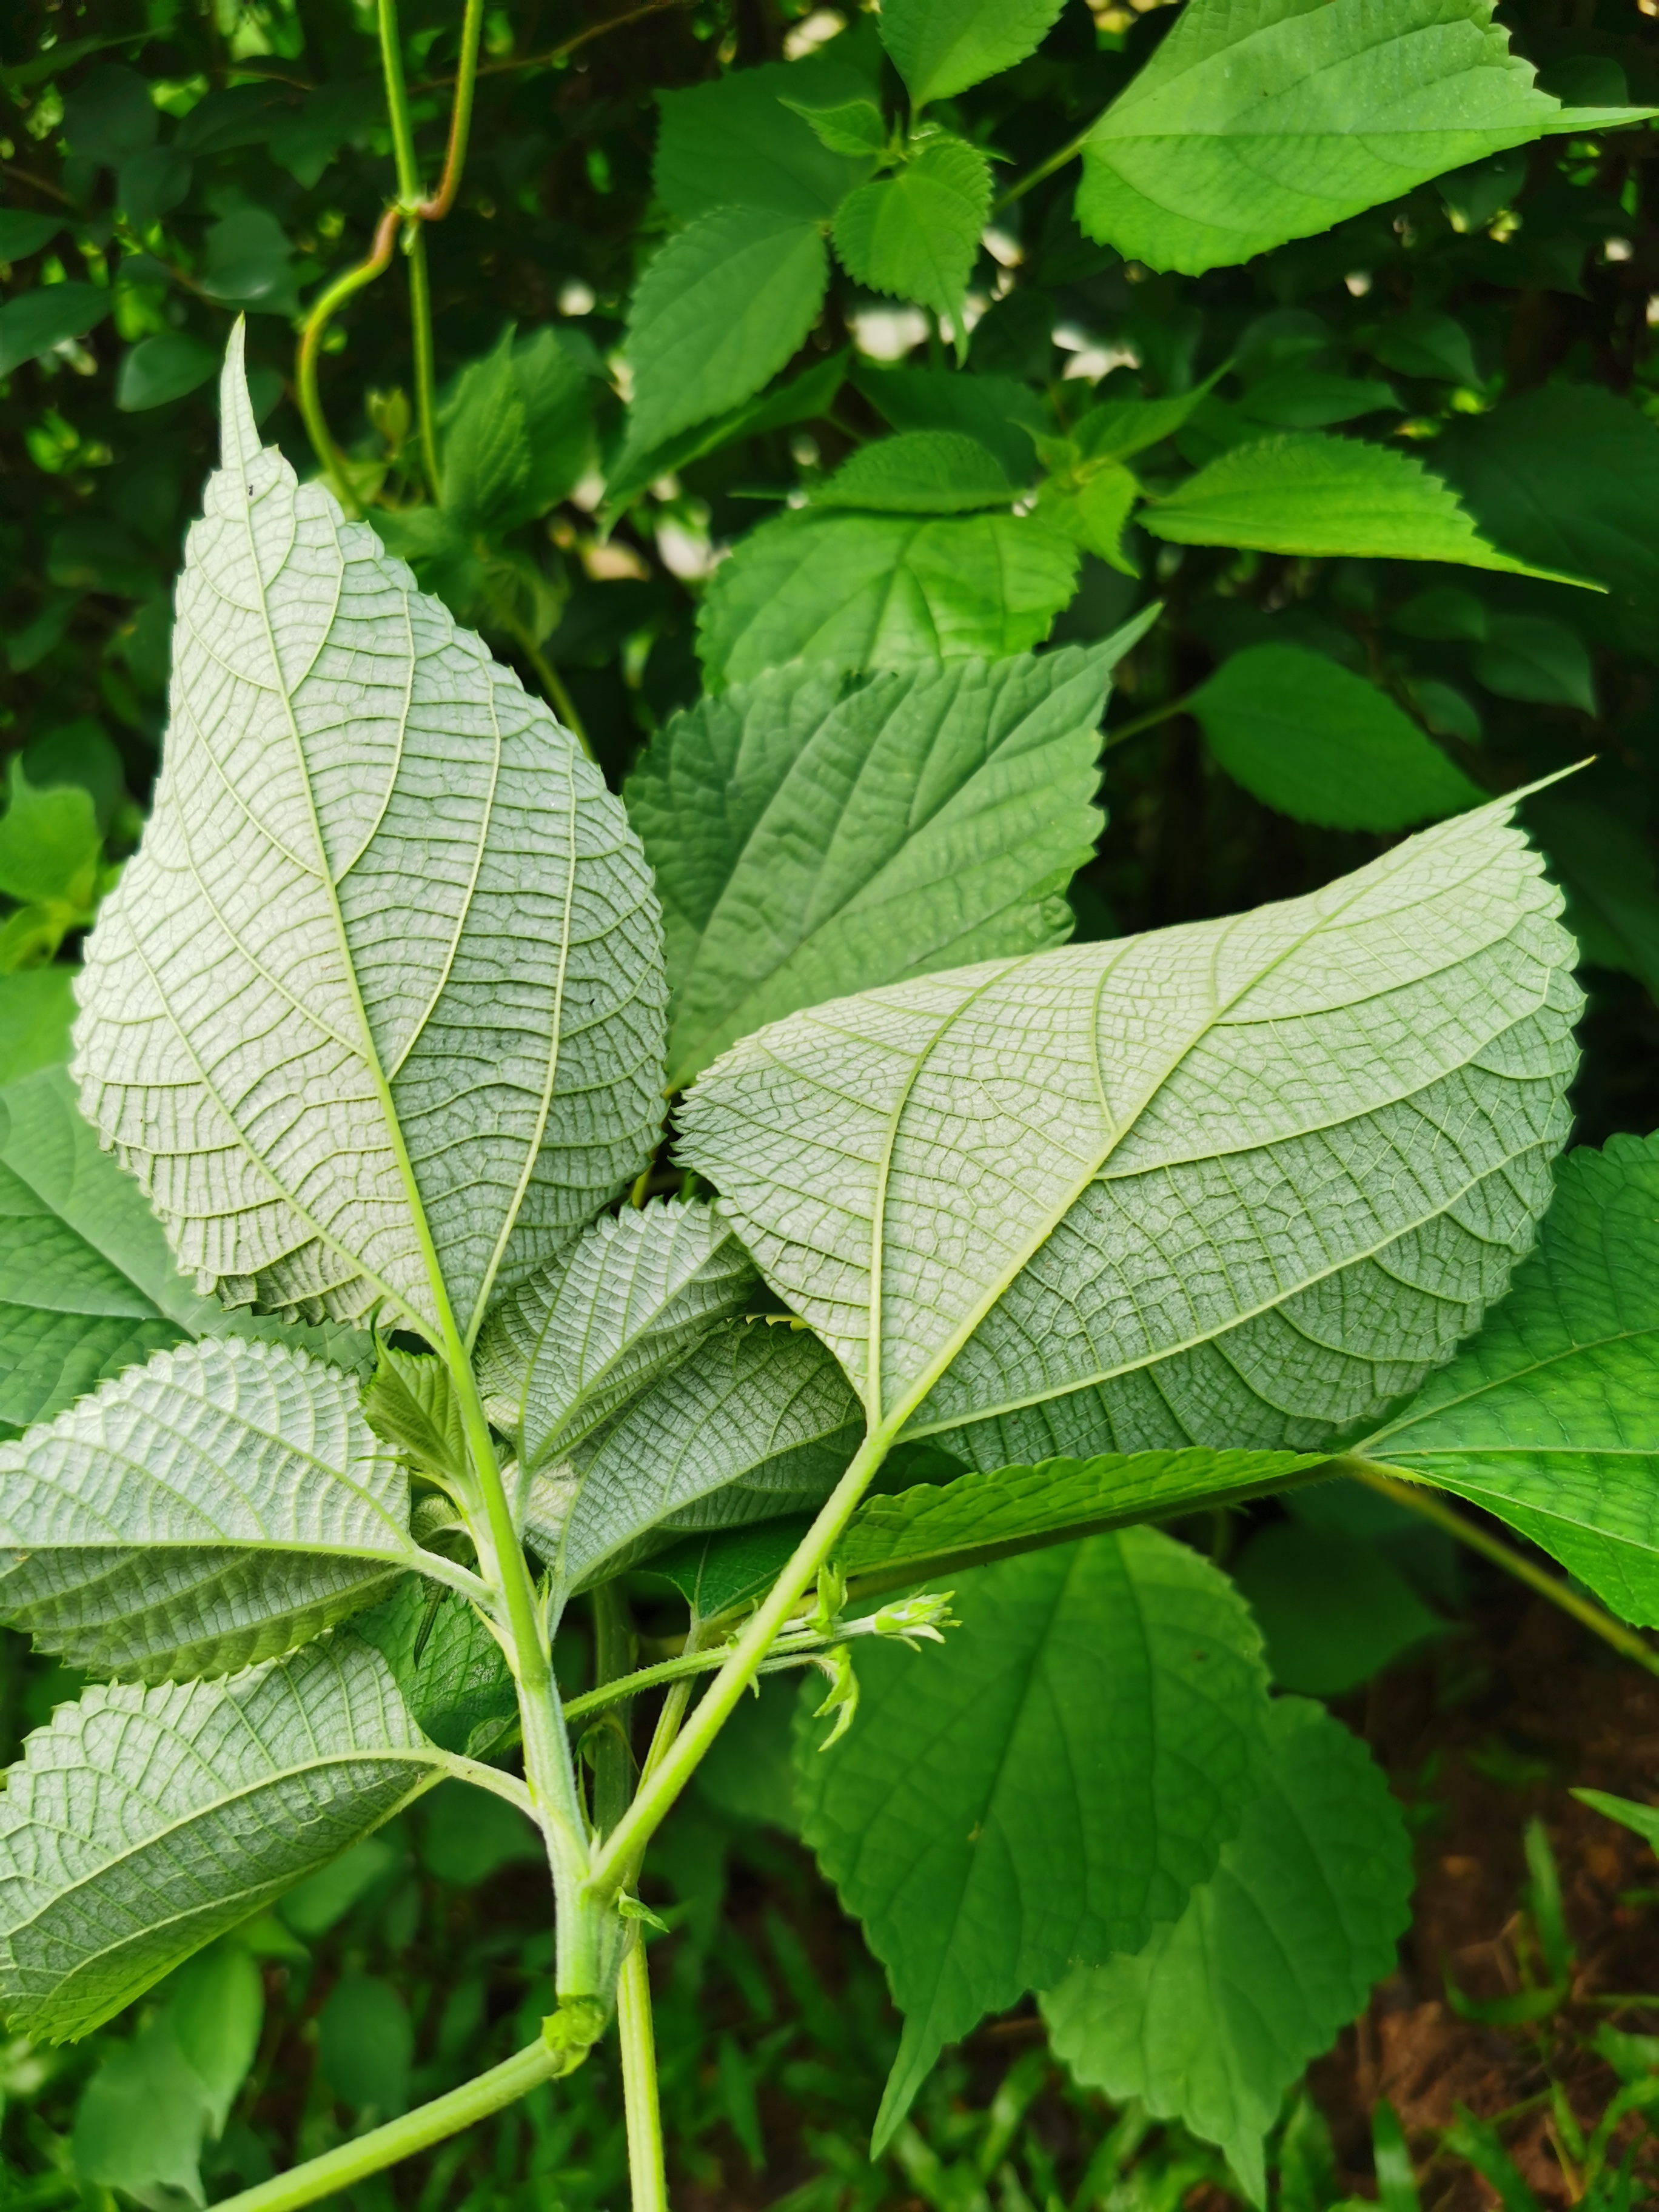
{"x": 843, "y": 1698}
{"x": 832, "y": 1596}
{"x": 630, "y": 1908}
{"x": 920, "y": 1617}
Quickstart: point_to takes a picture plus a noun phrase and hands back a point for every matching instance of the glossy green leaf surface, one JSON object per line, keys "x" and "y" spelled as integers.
{"x": 1204, "y": 1205}
{"x": 1261, "y": 120}
{"x": 1215, "y": 2018}
{"x": 216, "y": 1507}
{"x": 719, "y": 312}
{"x": 447, "y": 1121}
{"x": 1302, "y": 493}
{"x": 809, "y": 836}
{"x": 878, "y": 591}
{"x": 1550, "y": 1419}
{"x": 143, "y": 1822}
{"x": 1044, "y": 1789}
{"x": 1314, "y": 741}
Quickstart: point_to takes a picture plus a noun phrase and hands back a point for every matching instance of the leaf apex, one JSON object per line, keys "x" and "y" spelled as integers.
{"x": 238, "y": 432}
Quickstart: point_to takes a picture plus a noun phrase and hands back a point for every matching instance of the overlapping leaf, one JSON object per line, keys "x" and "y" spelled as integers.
{"x": 217, "y": 1506}
{"x": 1043, "y": 1789}
{"x": 628, "y": 1300}
{"x": 1261, "y": 120}
{"x": 1550, "y": 1419}
{"x": 1214, "y": 2020}
{"x": 1228, "y": 1184}
{"x": 141, "y": 1823}
{"x": 375, "y": 1012}
{"x": 756, "y": 1423}
{"x": 811, "y": 838}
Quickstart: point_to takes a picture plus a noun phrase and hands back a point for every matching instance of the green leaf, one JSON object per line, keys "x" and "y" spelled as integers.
{"x": 1550, "y": 1419}
{"x": 219, "y": 1505}
{"x": 1321, "y": 496}
{"x": 634, "y": 1296}
{"x": 1424, "y": 344}
{"x": 758, "y": 1422}
{"x": 1641, "y": 1819}
{"x": 999, "y": 414}
{"x": 1531, "y": 658}
{"x": 1313, "y": 400}
{"x": 916, "y": 235}
{"x": 143, "y": 1822}
{"x": 50, "y": 841}
{"x": 1226, "y": 1184}
{"x": 143, "y": 2119}
{"x": 1314, "y": 741}
{"x": 486, "y": 444}
{"x": 854, "y": 127}
{"x": 465, "y": 1037}
{"x": 1255, "y": 124}
{"x": 215, "y": 2004}
{"x": 161, "y": 368}
{"x": 1217, "y": 2017}
{"x": 1043, "y": 1790}
{"x": 22, "y": 233}
{"x": 810, "y": 837}
{"x": 553, "y": 391}
{"x": 1090, "y": 504}
{"x": 941, "y": 47}
{"x": 1331, "y": 1608}
{"x": 33, "y": 323}
{"x": 729, "y": 1567}
{"x": 1604, "y": 864}
{"x": 804, "y": 399}
{"x": 868, "y": 591}
{"x": 918, "y": 472}
{"x": 928, "y": 1529}
{"x": 1570, "y": 477}
{"x": 449, "y": 1668}
{"x": 740, "y": 142}
{"x": 718, "y": 312}
{"x": 37, "y": 1005}
{"x": 410, "y": 1403}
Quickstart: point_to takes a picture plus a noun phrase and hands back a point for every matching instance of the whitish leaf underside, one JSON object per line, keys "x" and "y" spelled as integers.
{"x": 376, "y": 1011}
{"x": 1230, "y": 1184}
{"x": 219, "y": 1505}
{"x": 141, "y": 1823}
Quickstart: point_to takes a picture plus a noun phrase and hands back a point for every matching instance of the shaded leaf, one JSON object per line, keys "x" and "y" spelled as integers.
{"x": 942, "y": 46}
{"x": 740, "y": 142}
{"x": 918, "y": 472}
{"x": 1331, "y": 1608}
{"x": 868, "y": 591}
{"x": 449, "y": 1669}
{"x": 1045, "y": 1789}
{"x": 729, "y": 1567}
{"x": 1217, "y": 2017}
{"x": 999, "y": 414}
{"x": 810, "y": 837}
{"x": 33, "y": 323}
{"x": 1529, "y": 657}
{"x": 1314, "y": 741}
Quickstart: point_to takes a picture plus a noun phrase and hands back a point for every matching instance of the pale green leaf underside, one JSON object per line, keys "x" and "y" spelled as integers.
{"x": 87, "y": 1287}
{"x": 1550, "y": 1419}
{"x": 1262, "y": 120}
{"x": 921, "y": 1531}
{"x": 810, "y": 839}
{"x": 1044, "y": 1789}
{"x": 1307, "y": 494}
{"x": 879, "y": 591}
{"x": 1217, "y": 2017}
{"x": 628, "y": 1300}
{"x": 719, "y": 312}
{"x": 215, "y": 1507}
{"x": 1229, "y": 1184}
{"x": 375, "y": 1011}
{"x": 141, "y": 1822}
{"x": 759, "y": 1421}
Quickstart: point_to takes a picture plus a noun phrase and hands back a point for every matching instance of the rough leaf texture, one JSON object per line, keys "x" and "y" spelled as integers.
{"x": 628, "y": 1300}
{"x": 1551, "y": 1418}
{"x": 758, "y": 1422}
{"x": 217, "y": 1506}
{"x": 141, "y": 1823}
{"x": 1044, "y": 1789}
{"x": 811, "y": 838}
{"x": 1230, "y": 1184}
{"x": 1217, "y": 2016}
{"x": 375, "y": 1011}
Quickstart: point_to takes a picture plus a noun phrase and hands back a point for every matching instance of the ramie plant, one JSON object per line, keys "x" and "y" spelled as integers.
{"x": 1015, "y": 1246}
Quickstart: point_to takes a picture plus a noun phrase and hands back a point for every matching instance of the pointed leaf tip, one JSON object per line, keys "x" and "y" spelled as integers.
{"x": 239, "y": 433}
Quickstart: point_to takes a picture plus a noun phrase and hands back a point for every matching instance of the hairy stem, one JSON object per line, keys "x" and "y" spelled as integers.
{"x": 658, "y": 1791}
{"x": 401, "y": 2138}
{"x": 1407, "y": 1490}
{"x": 647, "y": 2177}
{"x": 613, "y": 1657}
{"x": 311, "y": 342}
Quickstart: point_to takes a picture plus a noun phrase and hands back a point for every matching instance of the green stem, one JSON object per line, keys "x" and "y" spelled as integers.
{"x": 1149, "y": 720}
{"x": 659, "y": 1789}
{"x": 552, "y": 685}
{"x": 1018, "y": 189}
{"x": 613, "y": 1658}
{"x": 1405, "y": 1489}
{"x": 401, "y": 2138}
{"x": 647, "y": 2176}
{"x": 420, "y": 324}
{"x": 311, "y": 341}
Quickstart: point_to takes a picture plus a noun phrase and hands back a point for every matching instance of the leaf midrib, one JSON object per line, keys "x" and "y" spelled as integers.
{"x": 1396, "y": 1429}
